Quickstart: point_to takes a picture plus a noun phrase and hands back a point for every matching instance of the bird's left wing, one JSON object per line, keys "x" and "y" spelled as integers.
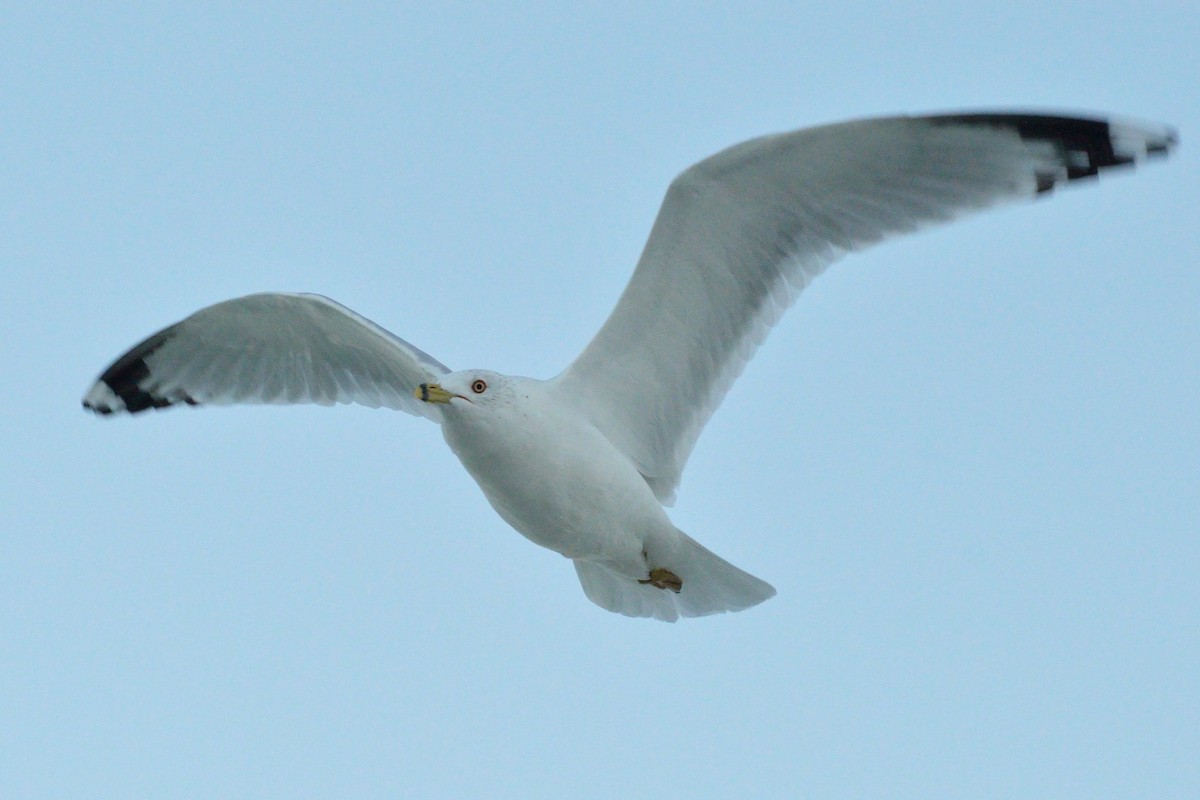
{"x": 740, "y": 233}
{"x": 268, "y": 348}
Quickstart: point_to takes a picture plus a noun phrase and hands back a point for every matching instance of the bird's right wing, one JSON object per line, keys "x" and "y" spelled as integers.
{"x": 269, "y": 348}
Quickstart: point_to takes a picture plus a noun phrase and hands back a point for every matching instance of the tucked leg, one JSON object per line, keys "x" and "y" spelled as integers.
{"x": 664, "y": 579}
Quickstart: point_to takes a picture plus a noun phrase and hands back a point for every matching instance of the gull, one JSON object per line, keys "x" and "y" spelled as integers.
{"x": 584, "y": 463}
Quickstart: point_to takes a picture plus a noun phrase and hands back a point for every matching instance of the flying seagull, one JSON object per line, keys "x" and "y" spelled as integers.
{"x": 583, "y": 463}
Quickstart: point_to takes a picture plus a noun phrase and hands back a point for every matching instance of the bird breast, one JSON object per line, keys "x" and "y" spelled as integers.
{"x": 554, "y": 477}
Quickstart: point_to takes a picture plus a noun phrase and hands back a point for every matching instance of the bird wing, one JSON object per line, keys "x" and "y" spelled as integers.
{"x": 740, "y": 234}
{"x": 268, "y": 348}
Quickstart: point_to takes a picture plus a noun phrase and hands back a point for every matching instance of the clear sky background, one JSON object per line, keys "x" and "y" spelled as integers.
{"x": 968, "y": 460}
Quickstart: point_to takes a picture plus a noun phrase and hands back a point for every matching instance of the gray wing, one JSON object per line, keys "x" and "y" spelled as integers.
{"x": 741, "y": 233}
{"x": 268, "y": 348}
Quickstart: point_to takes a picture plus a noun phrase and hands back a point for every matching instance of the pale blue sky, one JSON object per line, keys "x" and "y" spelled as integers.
{"x": 967, "y": 460}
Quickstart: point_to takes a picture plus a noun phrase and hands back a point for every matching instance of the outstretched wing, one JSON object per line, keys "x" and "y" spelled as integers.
{"x": 268, "y": 348}
{"x": 741, "y": 233}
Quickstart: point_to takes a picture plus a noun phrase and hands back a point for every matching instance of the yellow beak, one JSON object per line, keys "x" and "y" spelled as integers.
{"x": 432, "y": 393}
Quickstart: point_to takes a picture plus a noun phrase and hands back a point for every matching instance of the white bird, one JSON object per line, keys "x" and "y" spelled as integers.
{"x": 583, "y": 463}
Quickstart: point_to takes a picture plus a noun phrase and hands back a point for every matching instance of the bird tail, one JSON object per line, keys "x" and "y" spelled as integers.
{"x": 711, "y": 585}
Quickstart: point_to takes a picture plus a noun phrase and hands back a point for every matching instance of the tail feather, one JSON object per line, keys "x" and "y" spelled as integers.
{"x": 711, "y": 585}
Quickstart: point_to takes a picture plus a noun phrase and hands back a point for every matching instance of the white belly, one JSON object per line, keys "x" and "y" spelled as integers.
{"x": 563, "y": 485}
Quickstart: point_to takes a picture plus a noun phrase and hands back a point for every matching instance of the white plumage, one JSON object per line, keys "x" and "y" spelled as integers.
{"x": 583, "y": 463}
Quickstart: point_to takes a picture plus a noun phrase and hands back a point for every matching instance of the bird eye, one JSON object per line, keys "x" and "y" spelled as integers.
{"x": 479, "y": 386}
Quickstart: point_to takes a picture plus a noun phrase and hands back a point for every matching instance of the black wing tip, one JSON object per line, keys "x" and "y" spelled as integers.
{"x": 103, "y": 411}
{"x": 104, "y": 400}
{"x": 1161, "y": 145}
{"x": 1085, "y": 145}
{"x": 127, "y": 386}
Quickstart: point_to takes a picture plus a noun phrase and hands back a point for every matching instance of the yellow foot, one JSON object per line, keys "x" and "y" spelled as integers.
{"x": 664, "y": 579}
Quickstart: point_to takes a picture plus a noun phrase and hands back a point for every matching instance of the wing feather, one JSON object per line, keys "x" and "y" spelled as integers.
{"x": 268, "y": 348}
{"x": 740, "y": 234}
